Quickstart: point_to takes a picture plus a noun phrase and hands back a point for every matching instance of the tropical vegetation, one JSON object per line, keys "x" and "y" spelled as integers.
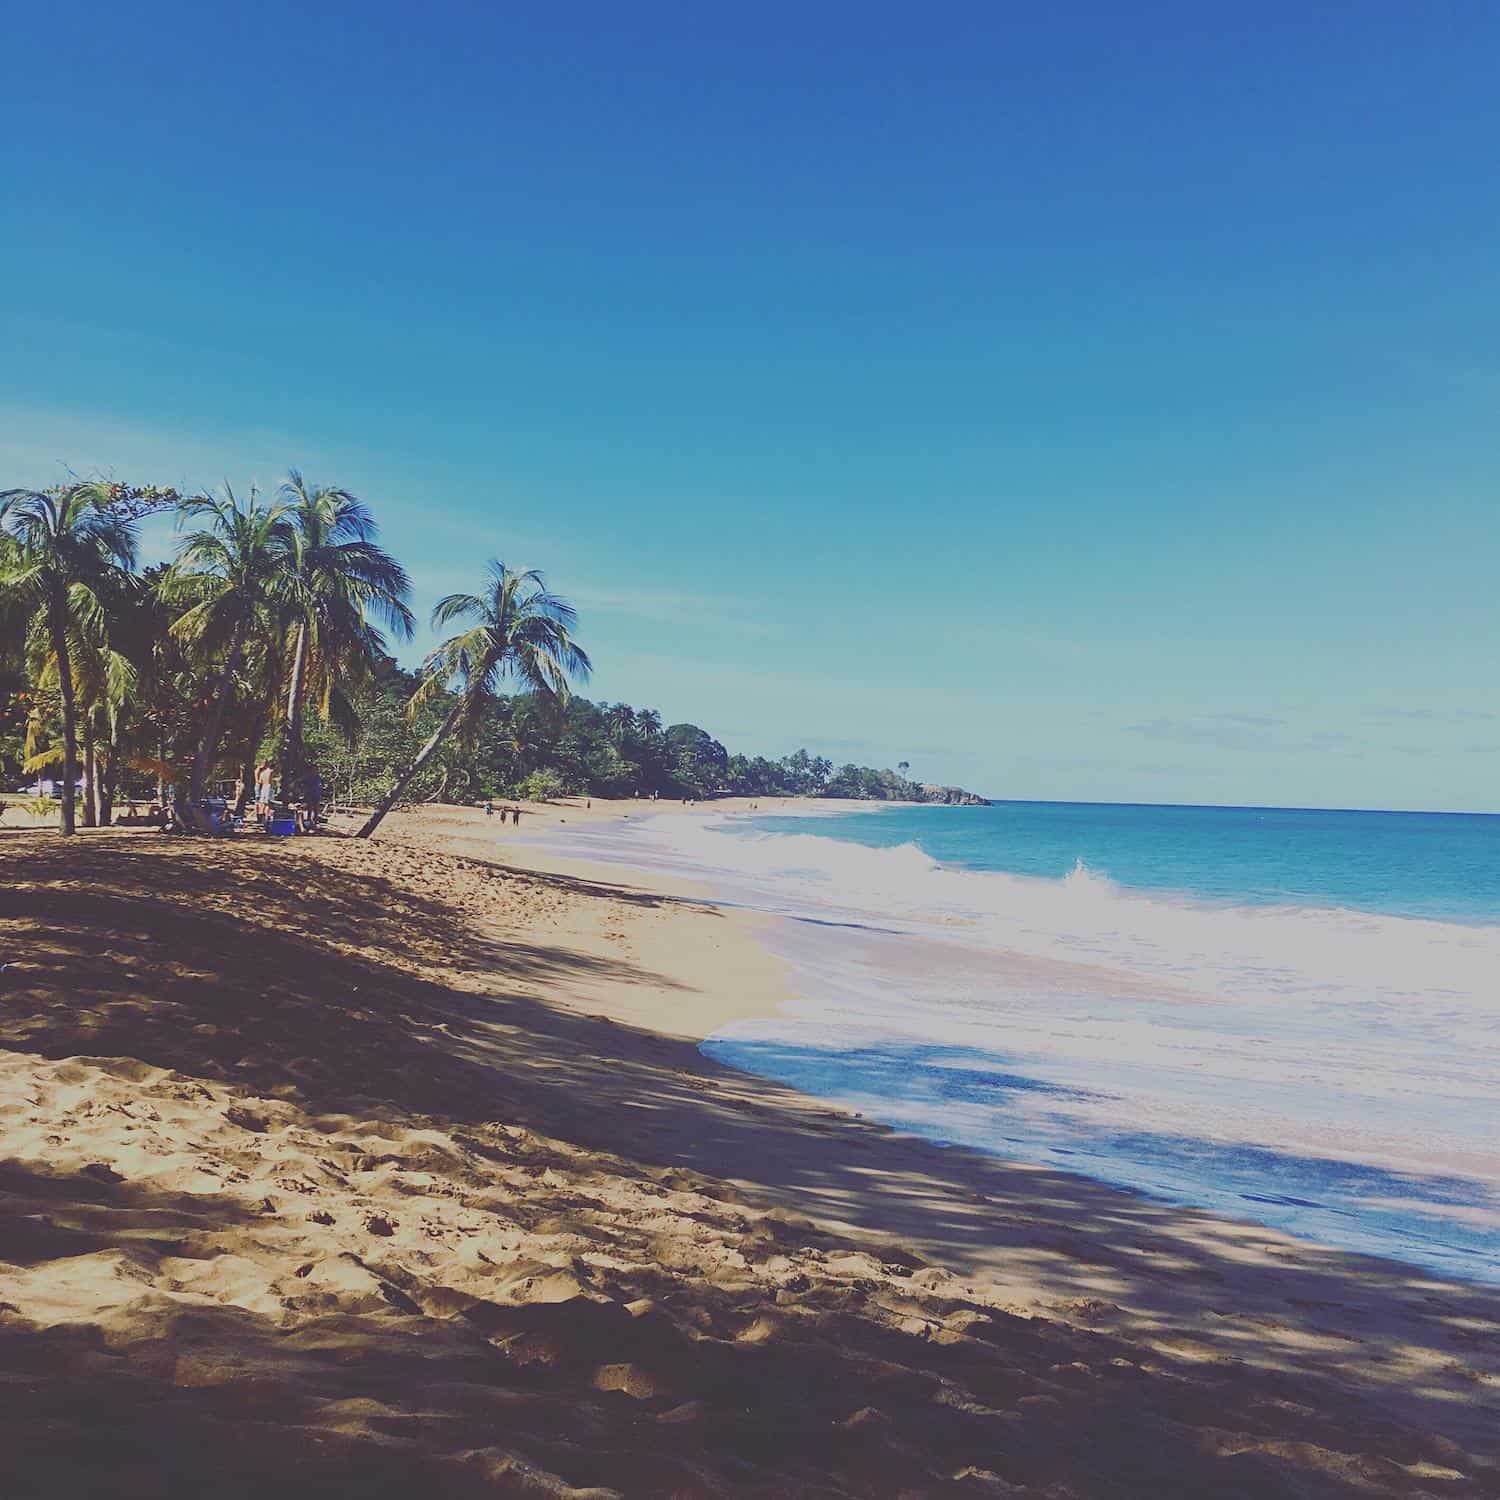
{"x": 268, "y": 637}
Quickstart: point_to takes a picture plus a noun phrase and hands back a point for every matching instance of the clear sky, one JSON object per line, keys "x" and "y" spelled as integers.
{"x": 1077, "y": 401}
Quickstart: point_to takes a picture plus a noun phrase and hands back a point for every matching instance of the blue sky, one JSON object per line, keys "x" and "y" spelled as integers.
{"x": 1076, "y": 401}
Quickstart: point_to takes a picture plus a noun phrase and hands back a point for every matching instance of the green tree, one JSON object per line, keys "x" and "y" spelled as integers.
{"x": 516, "y": 629}
{"x": 104, "y": 679}
{"x": 61, "y": 548}
{"x": 236, "y": 573}
{"x": 542, "y": 786}
{"x": 622, "y": 725}
{"x": 340, "y": 578}
{"x": 700, "y": 762}
{"x": 156, "y": 714}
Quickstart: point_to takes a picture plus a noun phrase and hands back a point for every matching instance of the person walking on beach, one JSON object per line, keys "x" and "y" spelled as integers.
{"x": 265, "y": 793}
{"x": 515, "y": 816}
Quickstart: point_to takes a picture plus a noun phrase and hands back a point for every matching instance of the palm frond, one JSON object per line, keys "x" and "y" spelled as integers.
{"x": 453, "y": 607}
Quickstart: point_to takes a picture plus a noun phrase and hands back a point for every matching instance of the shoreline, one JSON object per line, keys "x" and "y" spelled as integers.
{"x": 929, "y": 1000}
{"x": 1072, "y": 1251}
{"x": 196, "y": 1033}
{"x": 830, "y": 972}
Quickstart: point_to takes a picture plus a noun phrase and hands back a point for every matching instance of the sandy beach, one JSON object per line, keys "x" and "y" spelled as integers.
{"x": 355, "y": 1167}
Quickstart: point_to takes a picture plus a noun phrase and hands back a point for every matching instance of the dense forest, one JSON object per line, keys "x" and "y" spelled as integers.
{"x": 530, "y": 746}
{"x": 268, "y": 639}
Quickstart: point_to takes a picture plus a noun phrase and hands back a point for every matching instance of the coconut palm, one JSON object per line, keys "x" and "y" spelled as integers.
{"x": 236, "y": 573}
{"x": 103, "y": 681}
{"x": 342, "y": 578}
{"x": 648, "y": 721}
{"x": 62, "y": 546}
{"x": 515, "y": 629}
{"x": 622, "y": 723}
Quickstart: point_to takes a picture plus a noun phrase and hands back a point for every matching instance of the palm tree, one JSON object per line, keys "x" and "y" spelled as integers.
{"x": 342, "y": 578}
{"x": 516, "y": 629}
{"x": 622, "y": 723}
{"x": 103, "y": 682}
{"x": 163, "y": 692}
{"x": 648, "y": 721}
{"x": 62, "y": 546}
{"x": 237, "y": 574}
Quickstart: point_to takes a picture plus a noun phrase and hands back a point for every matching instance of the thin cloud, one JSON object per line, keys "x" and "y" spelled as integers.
{"x": 1250, "y": 732}
{"x": 1432, "y": 716}
{"x": 671, "y": 607}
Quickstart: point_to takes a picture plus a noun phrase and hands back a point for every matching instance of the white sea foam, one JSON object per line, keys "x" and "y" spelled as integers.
{"x": 1227, "y": 1054}
{"x": 1211, "y": 948}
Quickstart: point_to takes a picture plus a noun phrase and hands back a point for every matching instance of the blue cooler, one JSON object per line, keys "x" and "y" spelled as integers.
{"x": 282, "y": 826}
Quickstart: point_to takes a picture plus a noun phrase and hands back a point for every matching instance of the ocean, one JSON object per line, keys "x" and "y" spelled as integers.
{"x": 1288, "y": 1016}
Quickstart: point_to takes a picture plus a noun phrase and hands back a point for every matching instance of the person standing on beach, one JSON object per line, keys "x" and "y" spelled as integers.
{"x": 265, "y": 793}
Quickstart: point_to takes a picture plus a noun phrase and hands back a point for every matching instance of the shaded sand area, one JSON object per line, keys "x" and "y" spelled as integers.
{"x": 374, "y": 1169}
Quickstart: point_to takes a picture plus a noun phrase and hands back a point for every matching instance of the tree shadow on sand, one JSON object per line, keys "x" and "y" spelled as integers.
{"x": 198, "y": 960}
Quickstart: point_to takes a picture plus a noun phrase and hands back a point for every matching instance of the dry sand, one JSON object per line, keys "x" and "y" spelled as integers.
{"x": 392, "y": 1169}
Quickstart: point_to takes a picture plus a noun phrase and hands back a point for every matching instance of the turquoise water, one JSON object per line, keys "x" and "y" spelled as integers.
{"x": 1285, "y": 1015}
{"x": 1444, "y": 865}
{"x": 1291, "y": 1017}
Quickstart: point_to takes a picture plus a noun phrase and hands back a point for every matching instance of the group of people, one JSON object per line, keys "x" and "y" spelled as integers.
{"x": 307, "y": 812}
{"x": 221, "y": 814}
{"x": 515, "y": 813}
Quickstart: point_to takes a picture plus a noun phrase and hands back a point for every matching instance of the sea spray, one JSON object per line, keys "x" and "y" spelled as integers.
{"x": 1329, "y": 1069}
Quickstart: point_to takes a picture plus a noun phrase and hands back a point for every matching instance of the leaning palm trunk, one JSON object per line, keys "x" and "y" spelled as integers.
{"x": 518, "y": 628}
{"x": 291, "y": 744}
{"x": 208, "y": 746}
{"x": 424, "y": 756}
{"x": 56, "y": 621}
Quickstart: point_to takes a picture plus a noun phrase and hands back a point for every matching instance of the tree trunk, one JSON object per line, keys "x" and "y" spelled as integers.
{"x": 90, "y": 774}
{"x": 208, "y": 746}
{"x": 161, "y": 770}
{"x": 110, "y": 777}
{"x": 57, "y": 621}
{"x": 291, "y": 740}
{"x": 424, "y": 755}
{"x": 247, "y": 770}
